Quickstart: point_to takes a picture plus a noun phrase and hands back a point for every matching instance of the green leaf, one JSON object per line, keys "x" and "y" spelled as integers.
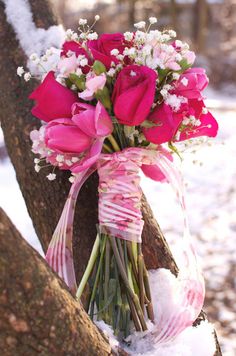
{"x": 103, "y": 96}
{"x": 184, "y": 65}
{"x": 98, "y": 67}
{"x": 68, "y": 83}
{"x": 78, "y": 81}
{"x": 162, "y": 74}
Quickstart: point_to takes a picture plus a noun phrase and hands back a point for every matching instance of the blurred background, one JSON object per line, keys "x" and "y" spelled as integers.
{"x": 210, "y": 29}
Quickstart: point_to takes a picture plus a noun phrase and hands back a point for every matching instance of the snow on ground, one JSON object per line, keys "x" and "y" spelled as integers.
{"x": 211, "y": 202}
{"x": 165, "y": 286}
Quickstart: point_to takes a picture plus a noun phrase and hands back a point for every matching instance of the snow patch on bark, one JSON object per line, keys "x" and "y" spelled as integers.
{"x": 31, "y": 38}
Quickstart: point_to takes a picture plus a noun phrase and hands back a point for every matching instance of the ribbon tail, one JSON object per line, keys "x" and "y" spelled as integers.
{"x": 190, "y": 289}
{"x": 60, "y": 254}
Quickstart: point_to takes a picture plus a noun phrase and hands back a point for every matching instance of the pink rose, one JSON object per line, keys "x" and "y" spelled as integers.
{"x": 191, "y": 83}
{"x": 79, "y": 140}
{"x": 64, "y": 136}
{"x": 192, "y": 120}
{"x": 96, "y": 123}
{"x": 92, "y": 120}
{"x": 102, "y": 47}
{"x": 166, "y": 122}
{"x": 207, "y": 125}
{"x": 53, "y": 100}
{"x": 133, "y": 94}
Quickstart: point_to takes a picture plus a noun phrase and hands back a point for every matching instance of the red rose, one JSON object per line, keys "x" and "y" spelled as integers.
{"x": 53, "y": 100}
{"x": 133, "y": 94}
{"x": 72, "y": 46}
{"x": 102, "y": 47}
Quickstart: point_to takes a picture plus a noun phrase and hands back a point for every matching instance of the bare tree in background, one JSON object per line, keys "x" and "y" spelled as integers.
{"x": 173, "y": 14}
{"x": 200, "y": 24}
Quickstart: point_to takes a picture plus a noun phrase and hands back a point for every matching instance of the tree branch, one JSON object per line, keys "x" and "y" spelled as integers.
{"x": 38, "y": 314}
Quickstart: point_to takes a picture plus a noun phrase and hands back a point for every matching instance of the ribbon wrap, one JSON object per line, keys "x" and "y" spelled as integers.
{"x": 120, "y": 193}
{"x": 120, "y": 216}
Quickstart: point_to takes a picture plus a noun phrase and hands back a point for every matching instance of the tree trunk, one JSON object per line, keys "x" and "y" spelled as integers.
{"x": 45, "y": 199}
{"x": 131, "y": 13}
{"x": 173, "y": 14}
{"x": 38, "y": 314}
{"x": 200, "y": 24}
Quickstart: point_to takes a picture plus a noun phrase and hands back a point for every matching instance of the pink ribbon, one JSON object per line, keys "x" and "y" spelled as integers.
{"x": 120, "y": 216}
{"x": 120, "y": 193}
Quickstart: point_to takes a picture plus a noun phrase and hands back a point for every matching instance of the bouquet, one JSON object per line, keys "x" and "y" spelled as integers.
{"x": 117, "y": 104}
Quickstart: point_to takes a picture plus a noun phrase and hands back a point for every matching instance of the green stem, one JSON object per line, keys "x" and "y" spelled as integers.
{"x": 135, "y": 251}
{"x": 132, "y": 295}
{"x": 98, "y": 270}
{"x": 121, "y": 251}
{"x": 113, "y": 143}
{"x": 132, "y": 260}
{"x": 140, "y": 276}
{"x": 133, "y": 313}
{"x": 107, "y": 271}
{"x": 107, "y": 148}
{"x": 89, "y": 268}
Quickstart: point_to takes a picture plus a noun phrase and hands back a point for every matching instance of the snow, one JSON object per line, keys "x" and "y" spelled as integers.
{"x": 32, "y": 39}
{"x": 11, "y": 200}
{"x": 186, "y": 344}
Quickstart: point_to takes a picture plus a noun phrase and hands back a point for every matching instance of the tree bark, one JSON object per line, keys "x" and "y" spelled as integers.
{"x": 38, "y": 314}
{"x": 45, "y": 200}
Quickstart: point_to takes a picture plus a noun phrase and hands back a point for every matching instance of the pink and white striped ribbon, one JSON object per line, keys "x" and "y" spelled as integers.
{"x": 120, "y": 215}
{"x": 189, "y": 292}
{"x": 59, "y": 254}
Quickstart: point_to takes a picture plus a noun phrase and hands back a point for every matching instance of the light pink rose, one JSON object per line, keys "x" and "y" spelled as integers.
{"x": 76, "y": 48}
{"x": 93, "y": 84}
{"x": 67, "y": 65}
